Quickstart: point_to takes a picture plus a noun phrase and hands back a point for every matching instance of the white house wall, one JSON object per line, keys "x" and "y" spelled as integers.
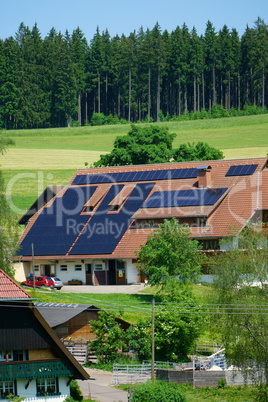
{"x": 71, "y": 273}
{"x": 63, "y": 387}
{"x": 30, "y": 392}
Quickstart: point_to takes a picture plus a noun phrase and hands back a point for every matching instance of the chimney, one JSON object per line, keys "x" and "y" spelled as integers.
{"x": 204, "y": 176}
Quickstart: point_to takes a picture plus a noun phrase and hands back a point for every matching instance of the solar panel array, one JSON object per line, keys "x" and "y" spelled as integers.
{"x": 184, "y": 198}
{"x": 241, "y": 170}
{"x": 153, "y": 175}
{"x": 57, "y": 226}
{"x": 104, "y": 231}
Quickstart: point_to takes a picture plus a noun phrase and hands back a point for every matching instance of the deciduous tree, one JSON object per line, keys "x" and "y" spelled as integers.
{"x": 170, "y": 253}
{"x": 197, "y": 152}
{"x": 109, "y": 337}
{"x": 151, "y": 144}
{"x": 242, "y": 296}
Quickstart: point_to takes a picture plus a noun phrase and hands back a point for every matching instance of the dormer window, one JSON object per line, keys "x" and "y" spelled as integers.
{"x": 114, "y": 207}
{"x": 92, "y": 204}
{"x": 202, "y": 221}
{"x": 117, "y": 203}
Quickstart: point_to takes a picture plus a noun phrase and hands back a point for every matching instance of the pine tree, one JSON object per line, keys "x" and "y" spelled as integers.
{"x": 247, "y": 51}
{"x": 9, "y": 91}
{"x": 236, "y": 53}
{"x": 260, "y": 54}
{"x": 79, "y": 49}
{"x": 196, "y": 63}
{"x": 176, "y": 68}
{"x": 225, "y": 66}
{"x": 211, "y": 55}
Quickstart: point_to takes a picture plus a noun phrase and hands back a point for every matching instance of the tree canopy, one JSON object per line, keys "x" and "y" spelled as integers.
{"x": 170, "y": 253}
{"x": 142, "y": 145}
{"x": 109, "y": 337}
{"x": 176, "y": 328}
{"x": 242, "y": 296}
{"x": 196, "y": 152}
{"x": 153, "y": 144}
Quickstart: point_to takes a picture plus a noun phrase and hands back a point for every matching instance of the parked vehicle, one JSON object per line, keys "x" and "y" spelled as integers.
{"x": 43, "y": 281}
{"x": 57, "y": 283}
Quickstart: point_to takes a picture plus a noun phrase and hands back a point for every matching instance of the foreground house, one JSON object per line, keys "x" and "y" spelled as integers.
{"x": 34, "y": 363}
{"x": 91, "y": 229}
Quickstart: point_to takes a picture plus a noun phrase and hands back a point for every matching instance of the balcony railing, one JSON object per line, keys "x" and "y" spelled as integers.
{"x": 34, "y": 370}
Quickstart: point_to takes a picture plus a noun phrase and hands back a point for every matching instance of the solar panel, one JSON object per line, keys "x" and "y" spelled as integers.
{"x": 136, "y": 176}
{"x": 104, "y": 231}
{"x": 241, "y": 170}
{"x": 183, "y": 198}
{"x": 57, "y": 227}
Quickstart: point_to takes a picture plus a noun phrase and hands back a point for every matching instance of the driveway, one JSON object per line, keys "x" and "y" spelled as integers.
{"x": 99, "y": 387}
{"x": 128, "y": 289}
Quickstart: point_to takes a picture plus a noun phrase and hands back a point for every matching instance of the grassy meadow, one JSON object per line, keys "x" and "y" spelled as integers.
{"x": 129, "y": 307}
{"x": 51, "y": 156}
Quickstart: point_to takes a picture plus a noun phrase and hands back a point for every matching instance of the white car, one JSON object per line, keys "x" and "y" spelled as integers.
{"x": 57, "y": 283}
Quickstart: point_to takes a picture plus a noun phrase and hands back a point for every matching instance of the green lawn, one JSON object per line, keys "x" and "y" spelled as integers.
{"x": 127, "y": 306}
{"x": 225, "y": 133}
{"x": 206, "y": 394}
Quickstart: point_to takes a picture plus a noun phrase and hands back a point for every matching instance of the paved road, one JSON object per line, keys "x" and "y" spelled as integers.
{"x": 128, "y": 289}
{"x": 99, "y": 388}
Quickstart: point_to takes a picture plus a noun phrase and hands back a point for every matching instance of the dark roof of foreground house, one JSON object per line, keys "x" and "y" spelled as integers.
{"x": 9, "y": 289}
{"x": 23, "y": 327}
{"x": 101, "y": 212}
{"x": 59, "y": 313}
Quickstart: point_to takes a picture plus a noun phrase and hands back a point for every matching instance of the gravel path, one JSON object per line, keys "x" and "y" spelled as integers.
{"x": 128, "y": 289}
{"x": 99, "y": 387}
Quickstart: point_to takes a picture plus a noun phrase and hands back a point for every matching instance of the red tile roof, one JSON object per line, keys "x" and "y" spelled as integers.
{"x": 9, "y": 289}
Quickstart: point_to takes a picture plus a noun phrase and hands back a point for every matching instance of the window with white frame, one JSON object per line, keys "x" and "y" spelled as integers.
{"x": 7, "y": 388}
{"x": 78, "y": 267}
{"x": 63, "y": 267}
{"x": 98, "y": 267}
{"x": 46, "y": 386}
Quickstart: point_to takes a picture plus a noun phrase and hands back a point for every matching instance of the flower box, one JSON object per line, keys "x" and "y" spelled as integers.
{"x": 75, "y": 282}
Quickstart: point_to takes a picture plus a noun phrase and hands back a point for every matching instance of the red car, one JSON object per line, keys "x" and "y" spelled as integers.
{"x": 39, "y": 281}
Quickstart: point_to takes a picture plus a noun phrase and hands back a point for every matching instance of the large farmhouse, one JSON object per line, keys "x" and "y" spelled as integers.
{"x": 91, "y": 228}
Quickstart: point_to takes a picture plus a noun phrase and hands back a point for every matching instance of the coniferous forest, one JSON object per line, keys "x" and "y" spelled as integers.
{"x": 149, "y": 75}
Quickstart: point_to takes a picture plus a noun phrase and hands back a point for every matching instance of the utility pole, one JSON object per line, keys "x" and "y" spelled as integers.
{"x": 33, "y": 266}
{"x": 153, "y": 305}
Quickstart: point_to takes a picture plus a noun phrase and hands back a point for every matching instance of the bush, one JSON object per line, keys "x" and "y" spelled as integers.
{"x": 75, "y": 391}
{"x": 112, "y": 119}
{"x": 158, "y": 391}
{"x": 98, "y": 119}
{"x": 219, "y": 111}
